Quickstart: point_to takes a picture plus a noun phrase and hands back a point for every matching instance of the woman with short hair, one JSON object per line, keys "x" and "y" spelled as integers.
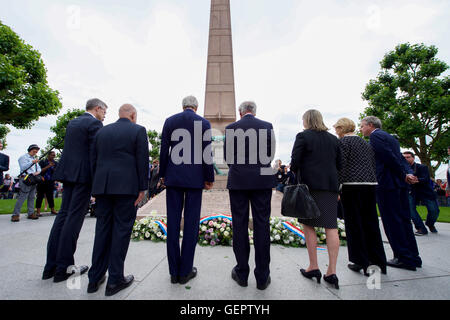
{"x": 316, "y": 159}
{"x": 358, "y": 179}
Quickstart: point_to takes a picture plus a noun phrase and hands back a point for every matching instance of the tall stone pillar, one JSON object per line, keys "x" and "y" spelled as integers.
{"x": 220, "y": 101}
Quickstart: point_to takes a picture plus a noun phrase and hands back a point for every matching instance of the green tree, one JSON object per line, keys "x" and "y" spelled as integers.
{"x": 411, "y": 97}
{"x": 60, "y": 130}
{"x": 24, "y": 93}
{"x": 4, "y": 130}
{"x": 154, "y": 138}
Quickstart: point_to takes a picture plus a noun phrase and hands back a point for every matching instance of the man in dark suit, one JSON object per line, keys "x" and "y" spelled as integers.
{"x": 119, "y": 184}
{"x": 393, "y": 175}
{"x": 75, "y": 171}
{"x": 249, "y": 149}
{"x": 186, "y": 169}
{"x": 4, "y": 163}
{"x": 422, "y": 191}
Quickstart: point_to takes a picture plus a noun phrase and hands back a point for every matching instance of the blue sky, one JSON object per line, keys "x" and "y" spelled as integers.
{"x": 289, "y": 55}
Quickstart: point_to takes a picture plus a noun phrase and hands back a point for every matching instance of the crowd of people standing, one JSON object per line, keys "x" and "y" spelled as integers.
{"x": 346, "y": 169}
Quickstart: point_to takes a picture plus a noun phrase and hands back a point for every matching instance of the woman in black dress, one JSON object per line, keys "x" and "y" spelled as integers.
{"x": 358, "y": 179}
{"x": 316, "y": 159}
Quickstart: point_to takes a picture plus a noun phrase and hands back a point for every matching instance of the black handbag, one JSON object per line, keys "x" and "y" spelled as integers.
{"x": 298, "y": 203}
{"x": 31, "y": 179}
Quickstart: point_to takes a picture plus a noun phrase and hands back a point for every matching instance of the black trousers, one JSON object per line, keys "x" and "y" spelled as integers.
{"x": 188, "y": 203}
{"x": 62, "y": 242}
{"x": 396, "y": 217}
{"x": 115, "y": 219}
{"x": 364, "y": 242}
{"x": 260, "y": 201}
{"x": 45, "y": 189}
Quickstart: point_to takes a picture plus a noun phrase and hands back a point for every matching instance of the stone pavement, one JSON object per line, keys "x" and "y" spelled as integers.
{"x": 23, "y": 249}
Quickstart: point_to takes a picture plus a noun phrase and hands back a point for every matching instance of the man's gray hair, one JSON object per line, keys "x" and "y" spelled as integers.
{"x": 190, "y": 102}
{"x": 374, "y": 121}
{"x": 247, "y": 106}
{"x": 92, "y": 103}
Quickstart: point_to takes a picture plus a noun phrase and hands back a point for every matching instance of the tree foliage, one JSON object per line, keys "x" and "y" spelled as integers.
{"x": 411, "y": 97}
{"x": 4, "y": 130}
{"x": 154, "y": 138}
{"x": 24, "y": 93}
{"x": 59, "y": 129}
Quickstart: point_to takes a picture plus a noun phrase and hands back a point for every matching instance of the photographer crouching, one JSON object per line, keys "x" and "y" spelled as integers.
{"x": 29, "y": 167}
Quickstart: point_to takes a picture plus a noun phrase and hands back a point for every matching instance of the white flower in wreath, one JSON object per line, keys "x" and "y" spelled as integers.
{"x": 286, "y": 241}
{"x": 323, "y": 237}
{"x": 159, "y": 234}
{"x": 277, "y": 237}
{"x": 147, "y": 234}
{"x": 343, "y": 234}
{"x": 204, "y": 228}
{"x": 228, "y": 229}
{"x": 285, "y": 231}
{"x": 302, "y": 241}
{"x": 226, "y": 233}
{"x": 291, "y": 238}
{"x": 271, "y": 239}
{"x": 205, "y": 242}
{"x": 222, "y": 229}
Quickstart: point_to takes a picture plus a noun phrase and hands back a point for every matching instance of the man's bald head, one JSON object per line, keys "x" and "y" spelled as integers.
{"x": 129, "y": 112}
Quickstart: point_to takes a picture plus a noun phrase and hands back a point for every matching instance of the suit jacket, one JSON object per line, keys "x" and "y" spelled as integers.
{"x": 190, "y": 169}
{"x": 316, "y": 158}
{"x": 245, "y": 172}
{"x": 120, "y": 159}
{"x": 423, "y": 189}
{"x": 391, "y": 166}
{"x": 76, "y": 160}
{"x": 4, "y": 165}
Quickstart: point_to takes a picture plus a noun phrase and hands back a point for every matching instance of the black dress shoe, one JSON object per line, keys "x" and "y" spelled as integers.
{"x": 312, "y": 274}
{"x": 265, "y": 285}
{"x": 193, "y": 274}
{"x": 395, "y": 263}
{"x": 93, "y": 286}
{"x": 174, "y": 279}
{"x": 332, "y": 279}
{"x": 112, "y": 289}
{"x": 60, "y": 277}
{"x": 357, "y": 268}
{"x": 48, "y": 274}
{"x": 432, "y": 229}
{"x": 236, "y": 278}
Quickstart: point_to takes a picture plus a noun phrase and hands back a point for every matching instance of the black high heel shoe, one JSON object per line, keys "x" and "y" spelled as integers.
{"x": 332, "y": 279}
{"x": 357, "y": 268}
{"x": 312, "y": 274}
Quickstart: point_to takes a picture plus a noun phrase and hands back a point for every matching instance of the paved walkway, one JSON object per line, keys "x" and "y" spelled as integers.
{"x": 23, "y": 249}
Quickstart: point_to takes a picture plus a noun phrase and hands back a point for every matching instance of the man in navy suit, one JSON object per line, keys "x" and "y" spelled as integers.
{"x": 4, "y": 163}
{"x": 75, "y": 171}
{"x": 249, "y": 148}
{"x": 186, "y": 168}
{"x": 422, "y": 191}
{"x": 393, "y": 176}
{"x": 119, "y": 184}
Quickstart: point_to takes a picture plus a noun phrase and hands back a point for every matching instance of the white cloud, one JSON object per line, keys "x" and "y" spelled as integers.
{"x": 315, "y": 54}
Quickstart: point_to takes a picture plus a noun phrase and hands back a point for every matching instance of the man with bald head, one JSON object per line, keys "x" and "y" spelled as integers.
{"x": 119, "y": 183}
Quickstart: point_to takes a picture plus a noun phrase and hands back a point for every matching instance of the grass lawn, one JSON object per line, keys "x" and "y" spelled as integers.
{"x": 7, "y": 206}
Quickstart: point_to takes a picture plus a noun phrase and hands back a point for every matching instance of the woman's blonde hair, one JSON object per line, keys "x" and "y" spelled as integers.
{"x": 314, "y": 121}
{"x": 346, "y": 125}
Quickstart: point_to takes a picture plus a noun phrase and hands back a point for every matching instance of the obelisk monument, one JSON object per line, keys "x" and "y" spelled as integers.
{"x": 220, "y": 101}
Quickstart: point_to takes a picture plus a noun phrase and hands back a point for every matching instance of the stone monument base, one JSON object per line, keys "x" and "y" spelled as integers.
{"x": 214, "y": 202}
